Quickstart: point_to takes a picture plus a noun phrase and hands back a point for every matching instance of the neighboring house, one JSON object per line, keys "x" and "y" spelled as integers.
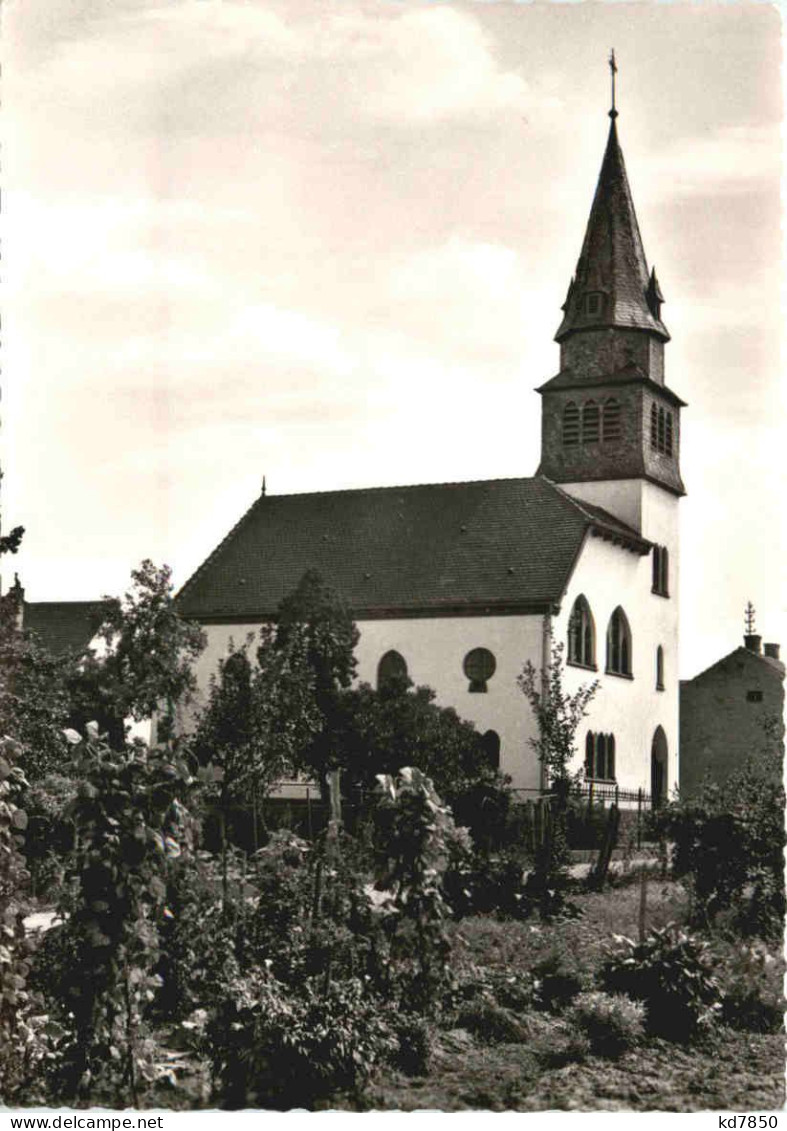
{"x": 730, "y": 713}
{"x": 459, "y": 584}
{"x": 62, "y": 626}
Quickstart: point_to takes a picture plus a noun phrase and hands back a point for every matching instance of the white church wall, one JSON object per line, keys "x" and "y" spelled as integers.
{"x": 434, "y": 649}
{"x": 621, "y": 497}
{"x": 631, "y": 709}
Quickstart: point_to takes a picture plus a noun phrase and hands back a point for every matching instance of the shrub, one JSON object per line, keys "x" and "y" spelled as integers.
{"x": 612, "y": 1022}
{"x": 752, "y": 988}
{"x": 272, "y": 1048}
{"x": 491, "y": 1023}
{"x": 414, "y": 1038}
{"x": 728, "y": 847}
{"x": 483, "y": 883}
{"x": 672, "y": 973}
{"x": 558, "y": 980}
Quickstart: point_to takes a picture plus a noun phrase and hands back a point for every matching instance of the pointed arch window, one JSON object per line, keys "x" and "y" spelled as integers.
{"x": 581, "y": 635}
{"x": 590, "y": 422}
{"x": 391, "y": 668}
{"x": 600, "y": 757}
{"x": 619, "y": 644}
{"x": 611, "y": 421}
{"x": 659, "y": 668}
{"x": 571, "y": 425}
{"x": 660, "y": 584}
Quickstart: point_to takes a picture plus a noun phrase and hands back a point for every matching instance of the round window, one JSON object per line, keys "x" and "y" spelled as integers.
{"x": 479, "y": 666}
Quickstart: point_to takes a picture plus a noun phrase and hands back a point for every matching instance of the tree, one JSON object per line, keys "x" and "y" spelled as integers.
{"x": 259, "y": 719}
{"x": 145, "y": 667}
{"x": 558, "y": 716}
{"x": 315, "y": 615}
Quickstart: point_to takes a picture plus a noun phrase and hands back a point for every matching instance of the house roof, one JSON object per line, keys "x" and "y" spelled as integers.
{"x": 742, "y": 656}
{"x": 63, "y": 626}
{"x": 612, "y": 260}
{"x": 503, "y": 545}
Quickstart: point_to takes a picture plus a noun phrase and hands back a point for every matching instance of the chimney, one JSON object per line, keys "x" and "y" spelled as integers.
{"x": 772, "y": 651}
{"x": 752, "y": 642}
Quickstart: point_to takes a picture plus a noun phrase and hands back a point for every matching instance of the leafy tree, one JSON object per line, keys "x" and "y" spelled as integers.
{"x": 317, "y": 617}
{"x": 558, "y": 716}
{"x": 259, "y": 719}
{"x": 145, "y": 666}
{"x": 398, "y": 725}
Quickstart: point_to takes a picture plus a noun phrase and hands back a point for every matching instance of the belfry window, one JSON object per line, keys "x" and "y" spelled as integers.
{"x": 660, "y": 571}
{"x": 581, "y": 635}
{"x": 590, "y": 422}
{"x": 570, "y": 425}
{"x": 611, "y": 421}
{"x": 654, "y": 426}
{"x": 668, "y": 435}
{"x": 619, "y": 644}
{"x": 600, "y": 757}
{"x": 661, "y": 430}
{"x": 593, "y": 303}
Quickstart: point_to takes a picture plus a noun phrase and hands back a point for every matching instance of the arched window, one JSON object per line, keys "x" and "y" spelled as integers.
{"x": 479, "y": 666}
{"x": 668, "y": 436}
{"x": 581, "y": 635}
{"x": 658, "y": 768}
{"x": 659, "y": 668}
{"x": 611, "y": 421}
{"x": 654, "y": 426}
{"x": 619, "y": 644}
{"x": 490, "y": 744}
{"x": 661, "y": 444}
{"x": 600, "y": 757}
{"x": 570, "y": 425}
{"x": 660, "y": 571}
{"x": 392, "y": 667}
{"x": 590, "y": 422}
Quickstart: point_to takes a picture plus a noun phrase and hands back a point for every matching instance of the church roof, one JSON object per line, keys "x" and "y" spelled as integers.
{"x": 612, "y": 261}
{"x": 63, "y": 626}
{"x": 736, "y": 661}
{"x": 499, "y": 545}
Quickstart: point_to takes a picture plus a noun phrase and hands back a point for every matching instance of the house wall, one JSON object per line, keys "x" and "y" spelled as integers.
{"x": 720, "y": 727}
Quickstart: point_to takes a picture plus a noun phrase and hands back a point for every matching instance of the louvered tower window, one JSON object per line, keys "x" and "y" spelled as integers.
{"x": 654, "y": 426}
{"x": 570, "y": 425}
{"x": 668, "y": 435}
{"x": 611, "y": 421}
{"x": 590, "y": 422}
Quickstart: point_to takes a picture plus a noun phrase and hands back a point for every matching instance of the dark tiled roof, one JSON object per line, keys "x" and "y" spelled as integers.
{"x": 63, "y": 626}
{"x": 628, "y": 375}
{"x": 612, "y": 260}
{"x": 506, "y": 544}
{"x": 740, "y": 657}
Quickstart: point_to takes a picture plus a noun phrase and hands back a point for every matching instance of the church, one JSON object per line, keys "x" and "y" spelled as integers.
{"x": 458, "y": 585}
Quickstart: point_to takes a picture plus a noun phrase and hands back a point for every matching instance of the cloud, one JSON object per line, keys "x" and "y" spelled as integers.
{"x": 730, "y": 159}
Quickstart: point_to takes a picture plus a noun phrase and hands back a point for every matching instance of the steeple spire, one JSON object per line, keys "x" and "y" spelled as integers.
{"x": 612, "y": 286}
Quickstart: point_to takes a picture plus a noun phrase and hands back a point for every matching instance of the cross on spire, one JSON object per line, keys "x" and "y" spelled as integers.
{"x": 613, "y": 70}
{"x": 748, "y": 614}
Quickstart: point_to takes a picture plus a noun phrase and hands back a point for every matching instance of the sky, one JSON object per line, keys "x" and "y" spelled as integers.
{"x": 327, "y": 241}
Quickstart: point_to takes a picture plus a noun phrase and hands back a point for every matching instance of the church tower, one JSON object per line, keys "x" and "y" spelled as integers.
{"x": 610, "y": 425}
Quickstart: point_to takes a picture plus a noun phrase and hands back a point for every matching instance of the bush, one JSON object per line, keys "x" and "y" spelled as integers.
{"x": 752, "y": 988}
{"x": 612, "y": 1022}
{"x": 559, "y": 978}
{"x": 485, "y": 883}
{"x": 672, "y": 973}
{"x": 414, "y": 1038}
{"x": 271, "y": 1048}
{"x": 491, "y": 1023}
{"x": 729, "y": 843}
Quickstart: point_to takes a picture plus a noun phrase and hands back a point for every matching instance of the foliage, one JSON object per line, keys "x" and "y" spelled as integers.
{"x": 491, "y": 1023}
{"x": 314, "y": 619}
{"x": 672, "y": 973}
{"x": 21, "y": 1046}
{"x": 752, "y": 988}
{"x": 414, "y": 1037}
{"x": 612, "y": 1022}
{"x": 271, "y": 1047}
{"x": 417, "y": 837}
{"x": 728, "y": 847}
{"x": 559, "y": 977}
{"x": 144, "y": 668}
{"x": 488, "y": 882}
{"x": 131, "y": 822}
{"x": 558, "y": 716}
{"x": 397, "y": 725}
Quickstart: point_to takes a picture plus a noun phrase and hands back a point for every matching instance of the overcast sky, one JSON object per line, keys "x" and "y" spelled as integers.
{"x": 328, "y": 240}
